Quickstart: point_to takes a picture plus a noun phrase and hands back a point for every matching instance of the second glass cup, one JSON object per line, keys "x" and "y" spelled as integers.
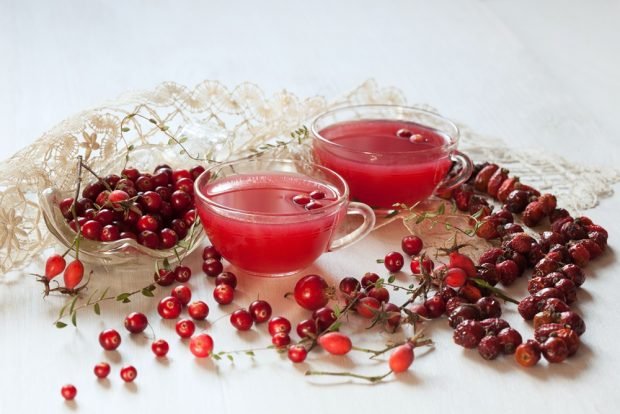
{"x": 275, "y": 217}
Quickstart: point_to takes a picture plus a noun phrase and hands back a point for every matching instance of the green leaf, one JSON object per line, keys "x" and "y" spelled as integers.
{"x": 152, "y": 121}
{"x": 392, "y": 278}
{"x": 73, "y": 304}
{"x": 335, "y": 326}
{"x": 74, "y": 319}
{"x": 121, "y": 297}
{"x": 441, "y": 209}
{"x": 216, "y": 357}
{"x": 104, "y": 293}
{"x": 420, "y": 218}
{"x": 131, "y": 147}
{"x": 126, "y": 129}
{"x": 166, "y": 264}
{"x": 250, "y": 353}
{"x": 171, "y": 141}
{"x": 230, "y": 357}
{"x": 147, "y": 292}
{"x": 126, "y": 300}
{"x": 164, "y": 127}
{"x": 183, "y": 139}
{"x": 60, "y": 325}
{"x": 62, "y": 310}
{"x": 97, "y": 309}
{"x": 337, "y": 311}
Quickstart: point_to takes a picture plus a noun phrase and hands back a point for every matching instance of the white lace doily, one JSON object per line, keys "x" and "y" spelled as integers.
{"x": 235, "y": 120}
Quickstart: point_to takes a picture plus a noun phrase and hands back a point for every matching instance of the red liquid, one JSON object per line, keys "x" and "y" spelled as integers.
{"x": 395, "y": 167}
{"x": 273, "y": 237}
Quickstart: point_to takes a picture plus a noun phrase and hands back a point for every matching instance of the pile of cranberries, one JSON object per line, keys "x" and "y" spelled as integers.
{"x": 155, "y": 209}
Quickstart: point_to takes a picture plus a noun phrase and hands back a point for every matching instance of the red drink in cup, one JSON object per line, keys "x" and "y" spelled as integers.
{"x": 389, "y": 154}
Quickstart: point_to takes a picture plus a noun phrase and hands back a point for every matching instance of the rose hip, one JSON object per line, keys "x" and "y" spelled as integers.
{"x": 335, "y": 343}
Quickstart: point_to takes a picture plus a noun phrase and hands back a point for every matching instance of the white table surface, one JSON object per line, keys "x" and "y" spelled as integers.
{"x": 539, "y": 74}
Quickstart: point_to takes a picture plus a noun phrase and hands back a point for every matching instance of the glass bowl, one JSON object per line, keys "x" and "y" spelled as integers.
{"x": 124, "y": 251}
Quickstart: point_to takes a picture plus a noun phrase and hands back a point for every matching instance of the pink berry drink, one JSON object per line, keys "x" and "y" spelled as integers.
{"x": 270, "y": 222}
{"x": 388, "y": 154}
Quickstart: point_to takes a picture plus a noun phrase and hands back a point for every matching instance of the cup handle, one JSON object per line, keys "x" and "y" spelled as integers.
{"x": 360, "y": 232}
{"x": 467, "y": 168}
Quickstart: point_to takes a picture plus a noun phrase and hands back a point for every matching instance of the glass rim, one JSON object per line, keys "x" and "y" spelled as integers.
{"x": 342, "y": 197}
{"x": 454, "y": 136}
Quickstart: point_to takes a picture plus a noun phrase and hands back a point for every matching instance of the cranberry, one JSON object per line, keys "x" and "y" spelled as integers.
{"x": 555, "y": 350}
{"x": 212, "y": 267}
{"x": 145, "y": 183}
{"x": 381, "y": 294}
{"x": 182, "y": 293}
{"x": 91, "y": 229}
{"x": 313, "y": 205}
{"x": 160, "y": 348}
{"x": 324, "y": 318}
{"x": 463, "y": 313}
{"x": 109, "y": 339}
{"x": 489, "y": 347}
{"x": 198, "y": 310}
{"x": 301, "y": 199}
{"x": 349, "y": 286}
{"x": 368, "y": 307}
{"x": 169, "y": 307}
{"x": 136, "y": 322}
{"x": 241, "y": 319}
{"x": 369, "y": 280}
{"x": 280, "y": 340}
{"x": 182, "y": 274}
{"x": 129, "y": 373}
{"x": 412, "y": 245}
{"x": 102, "y": 370}
{"x": 392, "y": 315}
{"x": 460, "y": 261}
{"x": 489, "y": 307}
{"x": 509, "y": 339}
{"x": 307, "y": 328}
{"x": 148, "y": 239}
{"x": 427, "y": 265}
{"x": 168, "y": 238}
{"x": 335, "y": 343}
{"x": 110, "y": 233}
{"x": 211, "y": 252}
{"x": 196, "y": 171}
{"x": 468, "y": 334}
{"x": 180, "y": 201}
{"x": 436, "y": 306}
{"x": 401, "y": 358}
{"x": 528, "y": 353}
{"x": 185, "y": 328}
{"x": 181, "y": 174}
{"x": 226, "y": 278}
{"x": 160, "y": 179}
{"x": 455, "y": 277}
{"x": 189, "y": 217}
{"x": 493, "y": 326}
{"x": 180, "y": 227}
{"x": 393, "y": 262}
{"x": 65, "y": 207}
{"x": 311, "y": 292}
{"x": 297, "y": 353}
{"x": 130, "y": 173}
{"x": 421, "y": 310}
{"x": 279, "y": 324}
{"x": 223, "y": 294}
{"x": 185, "y": 184}
{"x": 68, "y": 392}
{"x": 201, "y": 345}
{"x": 260, "y": 310}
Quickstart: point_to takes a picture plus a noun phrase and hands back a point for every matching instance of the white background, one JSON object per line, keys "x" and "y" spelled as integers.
{"x": 539, "y": 74}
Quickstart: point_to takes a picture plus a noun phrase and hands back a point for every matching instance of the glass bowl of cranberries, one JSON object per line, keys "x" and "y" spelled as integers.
{"x": 132, "y": 218}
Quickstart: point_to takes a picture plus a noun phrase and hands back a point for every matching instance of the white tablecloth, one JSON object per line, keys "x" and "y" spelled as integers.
{"x": 538, "y": 74}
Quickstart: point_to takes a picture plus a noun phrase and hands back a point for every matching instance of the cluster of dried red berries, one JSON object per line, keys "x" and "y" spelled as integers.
{"x": 557, "y": 259}
{"x": 155, "y": 209}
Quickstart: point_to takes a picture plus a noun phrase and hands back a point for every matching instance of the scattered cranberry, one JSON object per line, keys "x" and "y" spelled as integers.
{"x": 297, "y": 353}
{"x": 393, "y": 262}
{"x": 129, "y": 373}
{"x": 68, "y": 392}
{"x": 350, "y": 285}
{"x": 182, "y": 293}
{"x": 136, "y": 322}
{"x": 427, "y": 265}
{"x": 369, "y": 280}
{"x": 223, "y": 294}
{"x": 241, "y": 319}
{"x": 109, "y": 339}
{"x": 324, "y": 318}
{"x": 311, "y": 292}
{"x": 102, "y": 370}
{"x": 226, "y": 278}
{"x": 198, "y": 310}
{"x": 211, "y": 252}
{"x": 201, "y": 345}
{"x": 182, "y": 274}
{"x": 280, "y": 340}
{"x": 185, "y": 328}
{"x": 160, "y": 348}
{"x": 164, "y": 277}
{"x": 279, "y": 324}
{"x": 212, "y": 267}
{"x": 412, "y": 245}
{"x": 169, "y": 307}
{"x": 260, "y": 310}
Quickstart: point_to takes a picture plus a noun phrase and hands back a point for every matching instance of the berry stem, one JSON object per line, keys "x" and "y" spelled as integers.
{"x": 496, "y": 291}
{"x": 90, "y": 170}
{"x": 373, "y": 379}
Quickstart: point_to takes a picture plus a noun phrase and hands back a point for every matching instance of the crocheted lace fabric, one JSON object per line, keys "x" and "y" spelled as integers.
{"x": 222, "y": 124}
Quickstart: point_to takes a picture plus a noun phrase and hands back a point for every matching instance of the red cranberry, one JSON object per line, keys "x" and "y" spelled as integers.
{"x": 145, "y": 183}
{"x": 279, "y": 324}
{"x": 226, "y": 278}
{"x": 136, "y": 322}
{"x": 180, "y": 201}
{"x": 185, "y": 184}
{"x": 185, "y": 328}
{"x": 297, "y": 353}
{"x": 436, "y": 306}
{"x": 181, "y": 174}
{"x": 241, "y": 319}
{"x": 168, "y": 238}
{"x": 260, "y": 310}
{"x": 393, "y": 261}
{"x": 369, "y": 280}
{"x": 182, "y": 274}
{"x": 468, "y": 334}
{"x": 311, "y": 292}
{"x": 301, "y": 199}
{"x": 180, "y": 227}
{"x": 164, "y": 277}
{"x": 412, "y": 245}
{"x": 196, "y": 171}
{"x": 324, "y": 318}
{"x": 223, "y": 294}
{"x": 148, "y": 239}
{"x": 201, "y": 345}
{"x": 280, "y": 340}
{"x": 102, "y": 370}
{"x": 489, "y": 347}
{"x": 130, "y": 173}
{"x": 211, "y": 252}
{"x": 427, "y": 265}
{"x": 68, "y": 392}
{"x": 182, "y": 293}
{"x": 110, "y": 233}
{"x": 198, "y": 310}
{"x": 212, "y": 267}
{"x": 307, "y": 328}
{"x": 109, "y": 339}
{"x": 169, "y": 307}
{"x": 160, "y": 348}
{"x": 349, "y": 286}
{"x": 528, "y": 353}
{"x": 91, "y": 229}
